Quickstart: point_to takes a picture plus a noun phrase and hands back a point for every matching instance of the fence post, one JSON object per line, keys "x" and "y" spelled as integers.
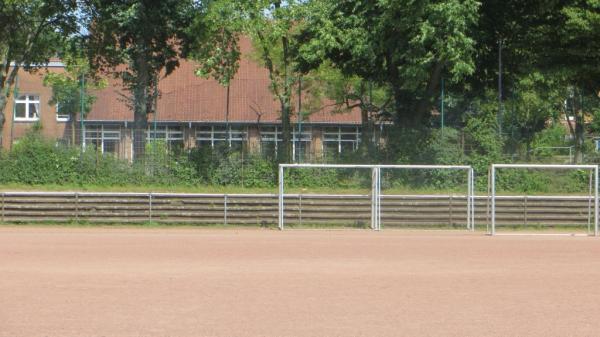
{"x": 525, "y": 210}
{"x": 77, "y": 206}
{"x": 2, "y": 206}
{"x": 150, "y": 206}
{"x": 225, "y": 209}
{"x": 450, "y": 210}
{"x": 300, "y": 209}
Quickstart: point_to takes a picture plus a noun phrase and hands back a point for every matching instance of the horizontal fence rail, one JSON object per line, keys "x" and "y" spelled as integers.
{"x": 300, "y": 209}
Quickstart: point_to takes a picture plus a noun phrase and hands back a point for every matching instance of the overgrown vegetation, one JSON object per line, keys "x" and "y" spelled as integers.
{"x": 35, "y": 161}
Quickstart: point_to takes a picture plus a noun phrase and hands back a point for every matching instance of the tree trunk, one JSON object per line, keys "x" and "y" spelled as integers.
{"x": 3, "y": 101}
{"x": 579, "y": 128}
{"x": 140, "y": 122}
{"x": 366, "y": 139}
{"x": 73, "y": 133}
{"x": 286, "y": 133}
{"x": 579, "y": 136}
{"x": 423, "y": 106}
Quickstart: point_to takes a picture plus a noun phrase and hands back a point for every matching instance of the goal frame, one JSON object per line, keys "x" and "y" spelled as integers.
{"x": 376, "y": 187}
{"x": 492, "y": 182}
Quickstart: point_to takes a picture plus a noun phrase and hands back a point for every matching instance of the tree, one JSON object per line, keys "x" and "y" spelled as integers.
{"x": 535, "y": 101}
{"x": 567, "y": 42}
{"x": 31, "y": 32}
{"x": 216, "y": 45}
{"x": 327, "y": 87}
{"x": 139, "y": 41}
{"x": 71, "y": 90}
{"x": 406, "y": 45}
{"x": 270, "y": 24}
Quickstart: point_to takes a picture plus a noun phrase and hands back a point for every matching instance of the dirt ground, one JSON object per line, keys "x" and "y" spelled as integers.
{"x": 236, "y": 282}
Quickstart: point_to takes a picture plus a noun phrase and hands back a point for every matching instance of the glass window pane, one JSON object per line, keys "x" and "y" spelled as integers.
{"x": 34, "y": 110}
{"x": 111, "y": 146}
{"x": 20, "y": 110}
{"x": 348, "y": 147}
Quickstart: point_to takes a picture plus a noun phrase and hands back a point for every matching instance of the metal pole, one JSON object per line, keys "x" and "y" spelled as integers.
{"x": 469, "y": 173}
{"x": 82, "y": 112}
{"x": 12, "y": 120}
{"x": 379, "y": 197}
{"x": 472, "y": 200}
{"x": 596, "y": 201}
{"x": 280, "y": 196}
{"x": 442, "y": 109}
{"x": 499, "y": 86}
{"x": 589, "y": 222}
{"x": 300, "y": 119}
{"x": 373, "y": 198}
{"x": 493, "y": 196}
{"x": 225, "y": 209}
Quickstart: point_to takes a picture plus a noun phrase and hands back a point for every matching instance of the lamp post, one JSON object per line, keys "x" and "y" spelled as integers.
{"x": 499, "y": 117}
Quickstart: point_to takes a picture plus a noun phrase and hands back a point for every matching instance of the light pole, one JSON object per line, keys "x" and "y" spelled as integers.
{"x": 499, "y": 117}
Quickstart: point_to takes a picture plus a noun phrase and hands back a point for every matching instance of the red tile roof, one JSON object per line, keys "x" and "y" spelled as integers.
{"x": 185, "y": 97}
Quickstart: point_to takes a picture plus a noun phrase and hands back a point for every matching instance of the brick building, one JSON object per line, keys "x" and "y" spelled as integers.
{"x": 191, "y": 112}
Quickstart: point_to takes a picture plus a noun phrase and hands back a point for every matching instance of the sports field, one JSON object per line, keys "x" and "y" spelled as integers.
{"x": 61, "y": 281}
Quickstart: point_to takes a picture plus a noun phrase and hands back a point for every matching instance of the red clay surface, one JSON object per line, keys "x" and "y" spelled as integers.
{"x": 210, "y": 282}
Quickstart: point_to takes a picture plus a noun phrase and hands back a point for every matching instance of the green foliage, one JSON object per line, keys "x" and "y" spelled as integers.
{"x": 31, "y": 32}
{"x": 535, "y": 100}
{"x": 149, "y": 37}
{"x": 483, "y": 143}
{"x": 406, "y": 45}
{"x": 216, "y": 31}
{"x": 67, "y": 86}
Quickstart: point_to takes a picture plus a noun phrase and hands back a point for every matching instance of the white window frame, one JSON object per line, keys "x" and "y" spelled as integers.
{"x": 339, "y": 140}
{"x": 218, "y": 133}
{"x": 61, "y": 118}
{"x": 171, "y": 134}
{"x": 304, "y": 138}
{"x": 104, "y": 135}
{"x": 27, "y": 101}
{"x": 275, "y": 135}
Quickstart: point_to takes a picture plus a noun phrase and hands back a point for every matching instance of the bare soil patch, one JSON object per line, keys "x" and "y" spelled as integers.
{"x": 220, "y": 282}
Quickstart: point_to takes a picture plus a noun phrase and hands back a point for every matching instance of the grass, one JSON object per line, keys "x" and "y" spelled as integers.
{"x": 218, "y": 189}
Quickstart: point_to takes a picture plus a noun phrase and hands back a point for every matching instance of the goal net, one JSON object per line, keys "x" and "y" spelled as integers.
{"x": 366, "y": 196}
{"x": 527, "y": 198}
{"x": 426, "y": 196}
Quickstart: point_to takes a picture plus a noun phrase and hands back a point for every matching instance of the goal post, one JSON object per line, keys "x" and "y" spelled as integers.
{"x": 375, "y": 187}
{"x": 493, "y": 177}
{"x": 469, "y": 196}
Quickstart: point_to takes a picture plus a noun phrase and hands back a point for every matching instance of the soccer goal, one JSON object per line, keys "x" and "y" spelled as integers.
{"x": 426, "y": 196}
{"x": 328, "y": 195}
{"x": 544, "y": 211}
{"x": 366, "y": 203}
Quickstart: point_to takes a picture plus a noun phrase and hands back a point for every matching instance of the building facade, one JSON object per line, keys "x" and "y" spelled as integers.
{"x": 191, "y": 112}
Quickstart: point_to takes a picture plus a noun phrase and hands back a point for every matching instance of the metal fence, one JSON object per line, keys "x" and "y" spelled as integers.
{"x": 397, "y": 211}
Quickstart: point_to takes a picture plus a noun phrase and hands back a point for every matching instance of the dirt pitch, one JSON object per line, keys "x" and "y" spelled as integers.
{"x": 211, "y": 282}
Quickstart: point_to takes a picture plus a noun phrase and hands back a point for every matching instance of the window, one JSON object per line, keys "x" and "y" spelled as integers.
{"x": 104, "y": 138}
{"x": 216, "y": 136}
{"x": 27, "y": 108}
{"x": 270, "y": 137}
{"x": 61, "y": 117}
{"x": 337, "y": 140}
{"x": 301, "y": 143}
{"x": 171, "y": 135}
